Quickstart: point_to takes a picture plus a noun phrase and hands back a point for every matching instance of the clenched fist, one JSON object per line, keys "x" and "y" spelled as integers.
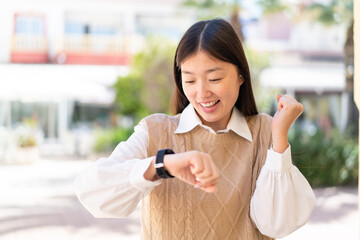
{"x": 288, "y": 110}
{"x": 193, "y": 167}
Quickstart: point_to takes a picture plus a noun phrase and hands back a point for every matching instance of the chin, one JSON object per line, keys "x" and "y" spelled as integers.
{"x": 209, "y": 119}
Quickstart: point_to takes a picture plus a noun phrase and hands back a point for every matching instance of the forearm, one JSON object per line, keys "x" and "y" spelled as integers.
{"x": 111, "y": 189}
{"x": 280, "y": 142}
{"x": 150, "y": 173}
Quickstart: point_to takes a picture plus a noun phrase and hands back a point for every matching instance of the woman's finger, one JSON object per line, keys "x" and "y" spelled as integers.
{"x": 210, "y": 189}
{"x": 196, "y": 163}
{"x": 207, "y": 167}
{"x": 203, "y": 185}
{"x": 209, "y": 179}
{"x": 214, "y": 179}
{"x": 291, "y": 98}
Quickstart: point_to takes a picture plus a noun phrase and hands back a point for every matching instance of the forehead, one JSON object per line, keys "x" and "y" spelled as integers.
{"x": 202, "y": 60}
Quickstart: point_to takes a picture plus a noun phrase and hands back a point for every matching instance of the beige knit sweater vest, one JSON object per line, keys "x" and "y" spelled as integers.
{"x": 176, "y": 210}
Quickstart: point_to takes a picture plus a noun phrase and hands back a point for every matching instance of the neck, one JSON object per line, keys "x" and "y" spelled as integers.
{"x": 219, "y": 125}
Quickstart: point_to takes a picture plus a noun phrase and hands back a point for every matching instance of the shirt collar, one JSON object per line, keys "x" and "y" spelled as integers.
{"x": 237, "y": 123}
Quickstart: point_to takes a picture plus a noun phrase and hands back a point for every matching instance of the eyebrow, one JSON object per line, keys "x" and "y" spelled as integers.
{"x": 207, "y": 71}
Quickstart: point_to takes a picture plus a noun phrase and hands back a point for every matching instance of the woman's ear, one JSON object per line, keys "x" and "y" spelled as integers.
{"x": 241, "y": 79}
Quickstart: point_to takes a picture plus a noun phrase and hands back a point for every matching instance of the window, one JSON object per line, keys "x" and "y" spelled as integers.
{"x": 29, "y": 24}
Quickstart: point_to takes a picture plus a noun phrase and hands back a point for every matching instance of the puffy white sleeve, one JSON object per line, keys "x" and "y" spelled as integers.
{"x": 113, "y": 186}
{"x": 283, "y": 199}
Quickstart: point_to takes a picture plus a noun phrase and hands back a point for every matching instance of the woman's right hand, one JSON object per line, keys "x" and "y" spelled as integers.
{"x": 193, "y": 167}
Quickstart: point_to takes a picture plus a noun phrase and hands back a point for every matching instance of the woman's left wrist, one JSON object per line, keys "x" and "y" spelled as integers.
{"x": 280, "y": 143}
{"x": 280, "y": 148}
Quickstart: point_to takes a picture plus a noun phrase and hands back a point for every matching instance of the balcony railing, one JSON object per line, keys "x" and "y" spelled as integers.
{"x": 27, "y": 48}
{"x": 29, "y": 43}
{"x": 97, "y": 49}
{"x": 94, "y": 44}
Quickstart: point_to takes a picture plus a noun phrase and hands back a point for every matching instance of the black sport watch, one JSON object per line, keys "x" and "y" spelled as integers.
{"x": 159, "y": 163}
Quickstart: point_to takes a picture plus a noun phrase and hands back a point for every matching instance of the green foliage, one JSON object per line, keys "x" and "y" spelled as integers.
{"x": 208, "y": 9}
{"x": 128, "y": 95}
{"x": 148, "y": 87}
{"x": 155, "y": 68}
{"x": 272, "y": 6}
{"x": 326, "y": 159}
{"x": 107, "y": 140}
{"x": 200, "y": 4}
{"x": 26, "y": 133}
{"x": 210, "y": 4}
{"x": 334, "y": 12}
{"x": 257, "y": 63}
{"x": 26, "y": 141}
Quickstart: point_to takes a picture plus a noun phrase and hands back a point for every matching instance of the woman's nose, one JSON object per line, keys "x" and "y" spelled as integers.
{"x": 203, "y": 90}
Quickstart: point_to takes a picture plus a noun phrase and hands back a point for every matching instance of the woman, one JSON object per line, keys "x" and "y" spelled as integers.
{"x": 215, "y": 170}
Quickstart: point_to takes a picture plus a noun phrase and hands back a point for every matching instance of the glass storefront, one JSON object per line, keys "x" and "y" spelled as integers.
{"x": 47, "y": 116}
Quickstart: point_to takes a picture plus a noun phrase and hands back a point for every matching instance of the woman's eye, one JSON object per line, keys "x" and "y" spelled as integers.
{"x": 215, "y": 79}
{"x": 190, "y": 81}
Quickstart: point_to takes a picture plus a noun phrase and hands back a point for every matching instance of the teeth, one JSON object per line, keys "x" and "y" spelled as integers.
{"x": 209, "y": 104}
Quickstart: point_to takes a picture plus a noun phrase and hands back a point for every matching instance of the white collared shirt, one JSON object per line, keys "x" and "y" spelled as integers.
{"x": 237, "y": 123}
{"x": 113, "y": 186}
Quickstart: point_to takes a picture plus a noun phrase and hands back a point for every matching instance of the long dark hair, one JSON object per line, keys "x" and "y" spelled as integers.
{"x": 217, "y": 38}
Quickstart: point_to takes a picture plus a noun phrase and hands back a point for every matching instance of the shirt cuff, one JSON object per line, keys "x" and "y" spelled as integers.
{"x": 278, "y": 161}
{"x": 137, "y": 179}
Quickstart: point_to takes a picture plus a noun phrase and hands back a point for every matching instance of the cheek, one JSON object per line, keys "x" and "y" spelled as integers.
{"x": 226, "y": 91}
{"x": 187, "y": 92}
{"x": 230, "y": 93}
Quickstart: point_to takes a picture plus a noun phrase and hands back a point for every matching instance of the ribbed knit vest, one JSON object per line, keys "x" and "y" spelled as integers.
{"x": 176, "y": 210}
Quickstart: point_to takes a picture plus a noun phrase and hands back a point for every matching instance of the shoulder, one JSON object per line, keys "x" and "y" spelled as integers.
{"x": 259, "y": 120}
{"x": 260, "y": 125}
{"x": 161, "y": 120}
{"x": 161, "y": 128}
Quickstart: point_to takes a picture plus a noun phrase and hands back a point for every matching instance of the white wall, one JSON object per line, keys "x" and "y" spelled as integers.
{"x": 6, "y": 21}
{"x": 311, "y": 36}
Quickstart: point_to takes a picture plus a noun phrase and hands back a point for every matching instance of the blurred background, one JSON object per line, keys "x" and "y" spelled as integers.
{"x": 76, "y": 76}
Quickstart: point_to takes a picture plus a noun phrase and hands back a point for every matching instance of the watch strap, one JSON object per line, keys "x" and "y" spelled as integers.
{"x": 159, "y": 163}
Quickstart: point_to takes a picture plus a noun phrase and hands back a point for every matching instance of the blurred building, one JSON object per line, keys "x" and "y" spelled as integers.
{"x": 59, "y": 59}
{"x": 307, "y": 61}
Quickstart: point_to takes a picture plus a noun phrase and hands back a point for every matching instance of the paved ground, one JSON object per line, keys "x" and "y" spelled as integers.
{"x": 37, "y": 202}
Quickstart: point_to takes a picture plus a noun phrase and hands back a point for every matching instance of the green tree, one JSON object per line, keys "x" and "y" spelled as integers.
{"x": 155, "y": 68}
{"x": 128, "y": 96}
{"x": 258, "y": 62}
{"x": 272, "y": 6}
{"x": 334, "y": 12}
{"x": 148, "y": 87}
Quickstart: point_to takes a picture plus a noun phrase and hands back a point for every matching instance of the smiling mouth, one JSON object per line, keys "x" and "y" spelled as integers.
{"x": 209, "y": 104}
